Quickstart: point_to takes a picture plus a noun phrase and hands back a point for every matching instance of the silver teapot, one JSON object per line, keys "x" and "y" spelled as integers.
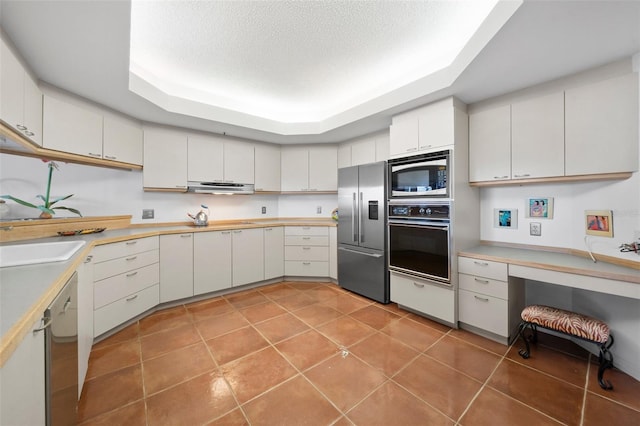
{"x": 201, "y": 218}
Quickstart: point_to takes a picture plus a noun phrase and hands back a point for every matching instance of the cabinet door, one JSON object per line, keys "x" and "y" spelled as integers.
{"x": 363, "y": 152}
{"x": 211, "y": 261}
{"x": 205, "y": 158}
{"x": 70, "y": 128}
{"x": 22, "y": 399}
{"x": 382, "y": 147}
{"x": 490, "y": 144}
{"x": 239, "y": 162}
{"x": 537, "y": 137}
{"x": 295, "y": 168}
{"x": 267, "y": 167}
{"x": 323, "y": 168}
{"x": 85, "y": 319}
{"x": 403, "y": 135}
{"x": 273, "y": 252}
{"x": 11, "y": 88}
{"x": 32, "y": 110}
{"x": 165, "y": 159}
{"x": 248, "y": 256}
{"x": 436, "y": 126}
{"x": 176, "y": 267}
{"x": 344, "y": 155}
{"x": 122, "y": 140}
{"x": 601, "y": 125}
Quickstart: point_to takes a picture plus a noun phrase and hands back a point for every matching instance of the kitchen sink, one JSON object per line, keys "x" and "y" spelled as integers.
{"x": 28, "y": 254}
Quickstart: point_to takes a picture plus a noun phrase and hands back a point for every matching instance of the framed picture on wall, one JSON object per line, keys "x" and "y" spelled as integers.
{"x": 540, "y": 207}
{"x": 505, "y": 218}
{"x": 599, "y": 222}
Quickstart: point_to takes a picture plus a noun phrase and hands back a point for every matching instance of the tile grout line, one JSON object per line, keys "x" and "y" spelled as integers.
{"x": 584, "y": 394}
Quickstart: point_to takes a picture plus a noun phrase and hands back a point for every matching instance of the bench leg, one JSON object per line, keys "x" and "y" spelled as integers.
{"x": 525, "y": 353}
{"x": 606, "y": 361}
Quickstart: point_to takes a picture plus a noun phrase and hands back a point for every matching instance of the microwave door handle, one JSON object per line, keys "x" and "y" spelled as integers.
{"x": 354, "y": 212}
{"x": 361, "y": 219}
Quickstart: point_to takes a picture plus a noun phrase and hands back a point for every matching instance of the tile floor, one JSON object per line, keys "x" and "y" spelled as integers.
{"x": 311, "y": 353}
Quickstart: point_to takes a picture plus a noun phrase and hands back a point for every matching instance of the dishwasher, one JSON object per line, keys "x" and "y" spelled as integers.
{"x": 60, "y": 324}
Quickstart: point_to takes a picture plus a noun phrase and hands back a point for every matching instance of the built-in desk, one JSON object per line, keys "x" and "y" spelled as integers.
{"x": 492, "y": 282}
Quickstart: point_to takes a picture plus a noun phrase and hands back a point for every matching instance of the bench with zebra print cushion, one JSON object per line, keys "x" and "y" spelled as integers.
{"x": 571, "y": 324}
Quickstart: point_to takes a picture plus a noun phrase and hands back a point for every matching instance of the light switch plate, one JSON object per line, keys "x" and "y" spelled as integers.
{"x": 535, "y": 229}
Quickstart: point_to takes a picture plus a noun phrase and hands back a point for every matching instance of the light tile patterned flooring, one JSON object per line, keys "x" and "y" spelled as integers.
{"x": 313, "y": 354}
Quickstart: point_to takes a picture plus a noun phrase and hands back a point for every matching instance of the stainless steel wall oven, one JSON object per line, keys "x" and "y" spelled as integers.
{"x": 419, "y": 239}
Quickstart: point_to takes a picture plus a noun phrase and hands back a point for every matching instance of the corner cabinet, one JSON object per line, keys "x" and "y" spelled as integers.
{"x": 122, "y": 140}
{"x": 176, "y": 266}
{"x": 165, "y": 160}
{"x": 85, "y": 318}
{"x": 309, "y": 168}
{"x": 212, "y": 261}
{"x": 273, "y": 252}
{"x": 248, "y": 256}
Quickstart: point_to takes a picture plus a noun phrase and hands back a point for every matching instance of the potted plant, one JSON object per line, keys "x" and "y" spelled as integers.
{"x": 47, "y": 209}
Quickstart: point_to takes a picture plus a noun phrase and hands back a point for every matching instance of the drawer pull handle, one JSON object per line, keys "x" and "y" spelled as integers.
{"x": 501, "y": 177}
{"x": 129, "y": 299}
{"x": 225, "y": 232}
{"x": 132, "y": 274}
{"x": 109, "y": 157}
{"x": 306, "y": 238}
{"x": 522, "y": 175}
{"x": 129, "y": 259}
{"x": 306, "y": 228}
{"x": 418, "y": 285}
{"x": 130, "y": 243}
{"x": 47, "y": 322}
{"x": 237, "y": 232}
{"x": 484, "y": 299}
{"x": 185, "y": 235}
{"x": 306, "y": 263}
{"x": 481, "y": 281}
{"x": 306, "y": 248}
{"x": 21, "y": 127}
{"x": 480, "y": 263}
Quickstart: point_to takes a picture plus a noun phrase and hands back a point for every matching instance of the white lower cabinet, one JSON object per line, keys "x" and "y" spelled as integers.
{"x": 488, "y": 300}
{"x": 176, "y": 266}
{"x": 125, "y": 281}
{"x": 22, "y": 382}
{"x": 211, "y": 261}
{"x": 333, "y": 252}
{"x": 306, "y": 251}
{"x": 273, "y": 252}
{"x": 423, "y": 296}
{"x": 85, "y": 318}
{"x": 248, "y": 256}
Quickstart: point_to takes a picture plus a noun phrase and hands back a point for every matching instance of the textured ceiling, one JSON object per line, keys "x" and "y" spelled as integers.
{"x": 296, "y": 61}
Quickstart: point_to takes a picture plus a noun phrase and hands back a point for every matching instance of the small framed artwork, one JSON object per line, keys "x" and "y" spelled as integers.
{"x": 599, "y": 222}
{"x": 505, "y": 218}
{"x": 540, "y": 207}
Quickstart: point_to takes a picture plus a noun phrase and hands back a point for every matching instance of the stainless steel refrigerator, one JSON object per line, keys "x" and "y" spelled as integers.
{"x": 362, "y": 230}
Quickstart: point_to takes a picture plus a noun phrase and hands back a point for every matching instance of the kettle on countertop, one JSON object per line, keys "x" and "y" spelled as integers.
{"x": 201, "y": 218}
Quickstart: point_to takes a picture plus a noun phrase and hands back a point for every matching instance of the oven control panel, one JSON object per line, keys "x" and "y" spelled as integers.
{"x": 417, "y": 211}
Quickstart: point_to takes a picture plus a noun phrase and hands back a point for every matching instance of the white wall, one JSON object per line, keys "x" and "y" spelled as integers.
{"x": 104, "y": 192}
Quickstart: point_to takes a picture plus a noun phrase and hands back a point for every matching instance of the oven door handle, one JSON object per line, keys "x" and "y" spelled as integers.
{"x": 423, "y": 225}
{"x": 376, "y": 255}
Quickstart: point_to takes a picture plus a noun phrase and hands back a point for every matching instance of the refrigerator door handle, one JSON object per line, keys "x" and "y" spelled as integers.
{"x": 376, "y": 255}
{"x": 354, "y": 210}
{"x": 360, "y": 218}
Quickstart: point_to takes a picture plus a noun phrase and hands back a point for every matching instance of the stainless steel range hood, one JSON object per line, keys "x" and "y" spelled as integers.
{"x": 219, "y": 188}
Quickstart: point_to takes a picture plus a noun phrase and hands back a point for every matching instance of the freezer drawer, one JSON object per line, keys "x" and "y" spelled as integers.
{"x": 364, "y": 272}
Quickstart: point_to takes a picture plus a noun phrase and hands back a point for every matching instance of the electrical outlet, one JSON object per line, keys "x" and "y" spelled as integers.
{"x": 147, "y": 213}
{"x": 535, "y": 228}
{"x": 264, "y": 210}
{"x": 319, "y": 210}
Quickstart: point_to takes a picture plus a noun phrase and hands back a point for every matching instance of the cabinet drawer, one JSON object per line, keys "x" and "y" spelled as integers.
{"x": 483, "y": 268}
{"x": 306, "y": 268}
{"x": 422, "y": 296}
{"x": 306, "y": 253}
{"x": 305, "y": 240}
{"x": 484, "y": 312}
{"x": 306, "y": 230}
{"x": 122, "y": 310}
{"x": 121, "y": 265}
{"x": 484, "y": 285}
{"x": 114, "y": 288}
{"x": 124, "y": 248}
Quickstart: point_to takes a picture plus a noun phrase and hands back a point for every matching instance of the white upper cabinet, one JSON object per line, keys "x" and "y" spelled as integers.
{"x": 490, "y": 144}
{"x": 216, "y": 159}
{"x": 309, "y": 168}
{"x": 122, "y": 140}
{"x": 424, "y": 129}
{"x": 382, "y": 146}
{"x": 20, "y": 97}
{"x": 363, "y": 151}
{"x": 537, "y": 137}
{"x": 205, "y": 158}
{"x": 70, "y": 127}
{"x": 602, "y": 127}
{"x": 267, "y": 167}
{"x": 165, "y": 159}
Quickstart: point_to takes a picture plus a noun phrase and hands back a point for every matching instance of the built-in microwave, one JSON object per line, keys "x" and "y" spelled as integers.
{"x": 425, "y": 175}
